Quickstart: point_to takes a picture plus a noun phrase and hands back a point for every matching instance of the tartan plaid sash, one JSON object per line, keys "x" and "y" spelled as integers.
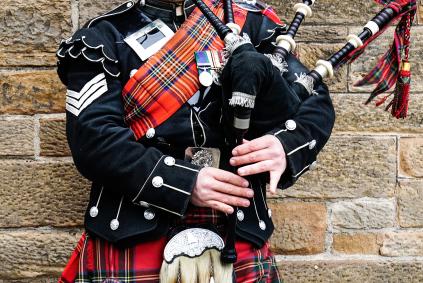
{"x": 169, "y": 78}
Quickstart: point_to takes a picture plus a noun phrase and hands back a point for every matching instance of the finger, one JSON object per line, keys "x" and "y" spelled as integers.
{"x": 221, "y": 207}
{"x": 273, "y": 182}
{"x": 230, "y": 200}
{"x": 228, "y": 177}
{"x": 250, "y": 146}
{"x": 256, "y": 168}
{"x": 252, "y": 157}
{"x": 232, "y": 190}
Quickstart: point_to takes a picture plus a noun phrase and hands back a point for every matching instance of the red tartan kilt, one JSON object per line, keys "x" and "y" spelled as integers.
{"x": 96, "y": 260}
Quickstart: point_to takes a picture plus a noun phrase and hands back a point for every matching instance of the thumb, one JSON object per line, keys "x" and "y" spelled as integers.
{"x": 273, "y": 182}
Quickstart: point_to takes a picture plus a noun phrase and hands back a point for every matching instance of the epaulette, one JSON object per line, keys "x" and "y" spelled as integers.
{"x": 125, "y": 7}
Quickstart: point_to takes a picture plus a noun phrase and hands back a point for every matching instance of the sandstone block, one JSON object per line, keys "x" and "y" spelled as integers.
{"x": 53, "y": 140}
{"x": 352, "y": 115}
{"x": 39, "y": 193}
{"x": 299, "y": 227}
{"x": 321, "y": 34}
{"x": 30, "y": 280}
{"x": 331, "y": 11}
{"x": 31, "y": 31}
{"x": 35, "y": 253}
{"x": 375, "y": 271}
{"x": 17, "y": 136}
{"x": 89, "y": 9}
{"x": 363, "y": 214}
{"x": 377, "y": 48}
{"x": 411, "y": 157}
{"x": 410, "y": 200}
{"x": 309, "y": 53}
{"x": 402, "y": 244}
{"x": 357, "y": 243}
{"x": 351, "y": 166}
{"x": 29, "y": 92}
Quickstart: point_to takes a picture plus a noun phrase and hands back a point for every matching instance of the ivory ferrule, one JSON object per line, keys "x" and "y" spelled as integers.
{"x": 236, "y": 29}
{"x": 324, "y": 68}
{"x": 286, "y": 42}
{"x": 372, "y": 26}
{"x": 303, "y": 9}
{"x": 355, "y": 40}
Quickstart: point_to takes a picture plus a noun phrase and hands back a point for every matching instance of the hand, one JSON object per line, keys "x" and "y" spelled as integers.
{"x": 220, "y": 189}
{"x": 264, "y": 154}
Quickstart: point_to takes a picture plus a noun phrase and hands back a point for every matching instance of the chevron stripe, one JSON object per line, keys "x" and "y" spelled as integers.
{"x": 78, "y": 101}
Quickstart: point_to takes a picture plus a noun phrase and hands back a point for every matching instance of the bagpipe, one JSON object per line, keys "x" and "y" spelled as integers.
{"x": 249, "y": 81}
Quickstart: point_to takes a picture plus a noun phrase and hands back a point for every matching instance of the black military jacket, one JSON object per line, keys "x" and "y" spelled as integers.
{"x": 140, "y": 186}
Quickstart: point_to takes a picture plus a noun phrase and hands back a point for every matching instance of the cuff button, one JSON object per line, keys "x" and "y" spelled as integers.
{"x": 240, "y": 215}
{"x": 262, "y": 225}
{"x": 149, "y": 214}
{"x": 313, "y": 165}
{"x": 93, "y": 211}
{"x": 157, "y": 181}
{"x": 290, "y": 125}
{"x": 169, "y": 161}
{"x": 114, "y": 224}
{"x": 312, "y": 144}
{"x": 150, "y": 133}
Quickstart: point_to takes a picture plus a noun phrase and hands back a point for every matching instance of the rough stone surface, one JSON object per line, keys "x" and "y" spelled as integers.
{"x": 411, "y": 157}
{"x": 402, "y": 244}
{"x": 309, "y": 53}
{"x": 29, "y": 92}
{"x": 369, "y": 60}
{"x": 89, "y": 9}
{"x": 321, "y": 34}
{"x": 30, "y": 280}
{"x": 357, "y": 243}
{"x": 36, "y": 193}
{"x": 363, "y": 214}
{"x": 351, "y": 271}
{"x": 53, "y": 140}
{"x": 353, "y": 115}
{"x": 300, "y": 227}
{"x": 410, "y": 203}
{"x": 330, "y": 11}
{"x": 35, "y": 253}
{"x": 31, "y": 30}
{"x": 16, "y": 137}
{"x": 351, "y": 166}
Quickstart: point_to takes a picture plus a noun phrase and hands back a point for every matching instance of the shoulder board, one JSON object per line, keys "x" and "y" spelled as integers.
{"x": 251, "y": 5}
{"x": 121, "y": 9}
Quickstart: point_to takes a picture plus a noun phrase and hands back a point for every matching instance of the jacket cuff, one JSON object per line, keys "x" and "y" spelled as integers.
{"x": 300, "y": 151}
{"x": 169, "y": 186}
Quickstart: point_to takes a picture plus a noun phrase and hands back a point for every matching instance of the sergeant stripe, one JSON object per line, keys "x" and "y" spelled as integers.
{"x": 78, "y": 101}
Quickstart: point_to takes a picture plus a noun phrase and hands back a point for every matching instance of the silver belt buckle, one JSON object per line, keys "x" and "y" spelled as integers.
{"x": 203, "y": 156}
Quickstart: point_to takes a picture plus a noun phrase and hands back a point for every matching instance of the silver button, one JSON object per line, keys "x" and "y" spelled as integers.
{"x": 114, "y": 224}
{"x": 144, "y": 204}
{"x": 312, "y": 144}
{"x": 132, "y": 73}
{"x": 240, "y": 215}
{"x": 149, "y": 214}
{"x": 157, "y": 181}
{"x": 93, "y": 211}
{"x": 150, "y": 133}
{"x": 290, "y": 125}
{"x": 313, "y": 165}
{"x": 169, "y": 161}
{"x": 262, "y": 225}
{"x": 129, "y": 5}
{"x": 269, "y": 212}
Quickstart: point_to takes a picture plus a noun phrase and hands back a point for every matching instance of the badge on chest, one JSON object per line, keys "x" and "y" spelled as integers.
{"x": 149, "y": 39}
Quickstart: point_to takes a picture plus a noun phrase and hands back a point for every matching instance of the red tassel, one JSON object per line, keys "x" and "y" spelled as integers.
{"x": 402, "y": 93}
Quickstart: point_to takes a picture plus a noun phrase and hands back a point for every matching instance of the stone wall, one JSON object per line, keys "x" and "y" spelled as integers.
{"x": 357, "y": 218}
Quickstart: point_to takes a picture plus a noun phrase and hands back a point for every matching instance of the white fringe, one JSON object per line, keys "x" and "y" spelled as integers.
{"x": 242, "y": 99}
{"x": 307, "y": 82}
{"x": 278, "y": 62}
{"x": 236, "y": 42}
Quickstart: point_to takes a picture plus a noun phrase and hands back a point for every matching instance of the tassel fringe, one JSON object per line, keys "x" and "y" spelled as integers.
{"x": 242, "y": 99}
